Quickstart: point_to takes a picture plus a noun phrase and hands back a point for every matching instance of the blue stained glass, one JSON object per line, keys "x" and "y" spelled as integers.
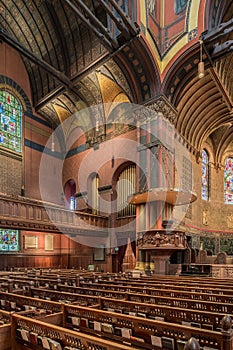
{"x": 10, "y": 121}
{"x": 205, "y": 176}
{"x": 228, "y": 181}
{"x": 9, "y": 240}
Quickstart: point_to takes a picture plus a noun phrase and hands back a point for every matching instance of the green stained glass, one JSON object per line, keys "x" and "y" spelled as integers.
{"x": 10, "y": 121}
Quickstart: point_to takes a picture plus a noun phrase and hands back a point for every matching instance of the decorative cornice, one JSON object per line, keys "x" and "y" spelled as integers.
{"x": 162, "y": 105}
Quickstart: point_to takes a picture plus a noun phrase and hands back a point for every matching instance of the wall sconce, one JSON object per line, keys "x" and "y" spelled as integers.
{"x": 201, "y": 66}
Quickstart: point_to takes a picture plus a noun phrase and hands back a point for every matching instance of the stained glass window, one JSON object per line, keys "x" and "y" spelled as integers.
{"x": 228, "y": 181}
{"x": 9, "y": 240}
{"x": 205, "y": 176}
{"x": 10, "y": 121}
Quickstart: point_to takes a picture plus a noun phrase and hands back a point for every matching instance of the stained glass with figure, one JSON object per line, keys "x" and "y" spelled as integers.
{"x": 9, "y": 240}
{"x": 228, "y": 181}
{"x": 205, "y": 176}
{"x": 10, "y": 121}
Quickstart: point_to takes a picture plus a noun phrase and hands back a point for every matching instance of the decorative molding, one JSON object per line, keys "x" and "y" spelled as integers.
{"x": 162, "y": 105}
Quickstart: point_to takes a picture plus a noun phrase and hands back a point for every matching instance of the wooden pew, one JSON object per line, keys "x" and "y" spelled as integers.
{"x": 5, "y": 337}
{"x": 162, "y": 291}
{"x": 160, "y": 284}
{"x": 138, "y": 331}
{"x": 29, "y": 334}
{"x": 172, "y": 298}
{"x": 65, "y": 297}
{"x": 82, "y": 291}
{"x": 143, "y": 296}
{"x": 149, "y": 307}
{"x": 17, "y": 303}
{"x": 5, "y": 330}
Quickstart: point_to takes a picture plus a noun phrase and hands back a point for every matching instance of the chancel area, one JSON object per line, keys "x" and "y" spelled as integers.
{"x": 116, "y": 183}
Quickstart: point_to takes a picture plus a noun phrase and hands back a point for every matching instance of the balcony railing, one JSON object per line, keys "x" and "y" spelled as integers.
{"x": 23, "y": 213}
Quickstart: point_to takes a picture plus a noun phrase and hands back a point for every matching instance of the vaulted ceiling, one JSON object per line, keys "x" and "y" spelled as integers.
{"x": 83, "y": 52}
{"x": 65, "y": 44}
{"x": 205, "y": 105}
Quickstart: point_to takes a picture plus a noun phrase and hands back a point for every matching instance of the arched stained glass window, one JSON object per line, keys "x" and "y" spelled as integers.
{"x": 10, "y": 121}
{"x": 228, "y": 181}
{"x": 205, "y": 176}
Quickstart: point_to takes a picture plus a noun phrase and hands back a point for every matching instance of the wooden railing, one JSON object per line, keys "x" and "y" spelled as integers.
{"x": 24, "y": 213}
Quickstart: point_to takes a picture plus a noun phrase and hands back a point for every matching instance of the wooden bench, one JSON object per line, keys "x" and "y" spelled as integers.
{"x": 173, "y": 331}
{"x": 139, "y": 331}
{"x": 35, "y": 334}
{"x": 150, "y": 308}
{"x": 172, "y": 299}
{"x": 167, "y": 291}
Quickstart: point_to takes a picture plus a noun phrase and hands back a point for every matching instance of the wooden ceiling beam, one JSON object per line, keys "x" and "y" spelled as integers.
{"x": 212, "y": 36}
{"x": 118, "y": 22}
{"x": 7, "y": 38}
{"x": 107, "y": 44}
{"x": 105, "y": 31}
{"x": 134, "y": 30}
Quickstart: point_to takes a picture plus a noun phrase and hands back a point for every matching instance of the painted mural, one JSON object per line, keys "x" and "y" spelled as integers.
{"x": 166, "y": 26}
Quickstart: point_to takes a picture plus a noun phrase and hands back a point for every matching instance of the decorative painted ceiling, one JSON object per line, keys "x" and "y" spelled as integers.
{"x": 80, "y": 53}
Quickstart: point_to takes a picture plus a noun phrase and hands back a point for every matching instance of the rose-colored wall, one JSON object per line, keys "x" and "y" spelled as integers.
{"x": 12, "y": 66}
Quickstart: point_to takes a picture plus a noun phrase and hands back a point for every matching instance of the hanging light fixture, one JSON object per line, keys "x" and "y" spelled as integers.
{"x": 97, "y": 125}
{"x": 52, "y": 146}
{"x": 201, "y": 67}
{"x": 52, "y": 140}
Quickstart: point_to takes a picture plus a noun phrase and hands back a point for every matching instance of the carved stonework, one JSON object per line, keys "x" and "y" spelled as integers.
{"x": 162, "y": 105}
{"x": 158, "y": 239}
{"x": 141, "y": 115}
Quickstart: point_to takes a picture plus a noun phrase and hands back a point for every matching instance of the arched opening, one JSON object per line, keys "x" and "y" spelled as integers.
{"x": 69, "y": 192}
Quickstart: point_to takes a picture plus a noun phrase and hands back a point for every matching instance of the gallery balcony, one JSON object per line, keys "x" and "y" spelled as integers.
{"x": 24, "y": 213}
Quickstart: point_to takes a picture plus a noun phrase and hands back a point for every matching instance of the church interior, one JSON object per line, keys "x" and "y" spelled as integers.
{"x": 116, "y": 151}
